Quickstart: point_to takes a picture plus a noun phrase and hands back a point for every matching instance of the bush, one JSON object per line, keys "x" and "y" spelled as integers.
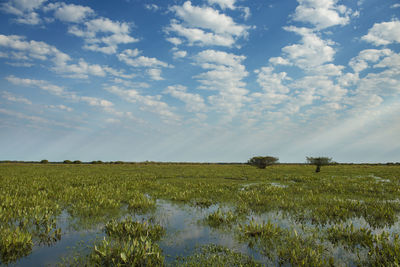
{"x": 67, "y": 161}
{"x": 44, "y": 161}
{"x": 77, "y": 162}
{"x": 320, "y": 161}
{"x": 262, "y": 162}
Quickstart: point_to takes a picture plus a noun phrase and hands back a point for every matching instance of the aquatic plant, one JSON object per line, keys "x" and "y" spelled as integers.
{"x": 214, "y": 255}
{"x": 218, "y": 218}
{"x": 349, "y": 236}
{"x": 131, "y": 252}
{"x": 14, "y": 244}
{"x": 128, "y": 228}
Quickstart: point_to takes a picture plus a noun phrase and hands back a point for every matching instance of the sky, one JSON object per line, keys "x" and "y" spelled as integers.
{"x": 200, "y": 81}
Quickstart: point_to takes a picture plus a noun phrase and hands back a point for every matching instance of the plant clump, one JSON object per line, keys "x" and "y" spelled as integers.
{"x": 262, "y": 162}
{"x": 14, "y": 244}
{"x": 219, "y": 218}
{"x": 215, "y": 255}
{"x": 133, "y": 229}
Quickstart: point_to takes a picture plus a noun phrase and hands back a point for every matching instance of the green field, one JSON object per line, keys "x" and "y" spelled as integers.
{"x": 131, "y": 214}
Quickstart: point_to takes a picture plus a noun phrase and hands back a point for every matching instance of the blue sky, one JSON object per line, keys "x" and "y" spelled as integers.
{"x": 207, "y": 81}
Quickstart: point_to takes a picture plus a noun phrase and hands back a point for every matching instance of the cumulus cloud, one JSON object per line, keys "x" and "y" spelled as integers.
{"x": 225, "y": 74}
{"x": 279, "y": 61}
{"x": 148, "y": 103}
{"x": 61, "y": 107}
{"x": 132, "y": 58}
{"x": 322, "y": 13}
{"x": 384, "y": 33}
{"x": 174, "y": 40}
{"x": 275, "y": 90}
{"x": 194, "y": 102}
{"x": 11, "y": 97}
{"x": 205, "y": 26}
{"x": 24, "y": 10}
{"x": 361, "y": 62}
{"x": 21, "y": 49}
{"x": 155, "y": 74}
{"x": 180, "y": 54}
{"x": 103, "y": 35}
{"x": 69, "y": 12}
{"x": 311, "y": 51}
{"x": 224, "y": 4}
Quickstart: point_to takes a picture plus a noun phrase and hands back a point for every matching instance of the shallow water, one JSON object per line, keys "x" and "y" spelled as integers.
{"x": 185, "y": 232}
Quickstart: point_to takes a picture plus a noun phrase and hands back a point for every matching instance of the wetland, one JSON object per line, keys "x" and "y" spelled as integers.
{"x": 199, "y": 215}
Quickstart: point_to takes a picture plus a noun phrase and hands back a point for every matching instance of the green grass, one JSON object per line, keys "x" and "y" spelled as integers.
{"x": 32, "y": 197}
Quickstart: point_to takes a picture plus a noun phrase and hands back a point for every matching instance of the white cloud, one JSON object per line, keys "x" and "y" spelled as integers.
{"x": 384, "y": 33}
{"x": 33, "y": 50}
{"x": 395, "y": 5}
{"x": 174, "y": 40}
{"x": 20, "y": 115}
{"x": 246, "y": 12}
{"x": 61, "y": 107}
{"x": 194, "y": 102}
{"x": 103, "y": 35}
{"x": 272, "y": 82}
{"x": 69, "y": 12}
{"x": 10, "y": 97}
{"x": 279, "y": 61}
{"x": 180, "y": 54}
{"x": 199, "y": 37}
{"x": 327, "y": 70}
{"x": 322, "y": 87}
{"x": 311, "y": 52}
{"x": 322, "y": 13}
{"x": 60, "y": 91}
{"x": 155, "y": 74}
{"x": 224, "y": 4}
{"x": 152, "y": 7}
{"x": 275, "y": 91}
{"x": 131, "y": 58}
{"x": 361, "y": 62}
{"x": 205, "y": 26}
{"x": 24, "y": 10}
{"x": 149, "y": 103}
{"x": 218, "y": 57}
{"x": 225, "y": 74}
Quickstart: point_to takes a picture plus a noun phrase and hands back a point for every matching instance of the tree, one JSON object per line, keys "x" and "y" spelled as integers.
{"x": 67, "y": 161}
{"x": 44, "y": 161}
{"x": 319, "y": 161}
{"x": 262, "y": 162}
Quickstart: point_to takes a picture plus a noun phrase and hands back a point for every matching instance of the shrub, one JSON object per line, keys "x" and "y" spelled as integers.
{"x": 44, "y": 161}
{"x": 262, "y": 162}
{"x": 67, "y": 161}
{"x": 319, "y": 161}
{"x": 77, "y": 162}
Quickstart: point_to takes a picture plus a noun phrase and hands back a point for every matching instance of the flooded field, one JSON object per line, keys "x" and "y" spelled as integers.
{"x": 198, "y": 215}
